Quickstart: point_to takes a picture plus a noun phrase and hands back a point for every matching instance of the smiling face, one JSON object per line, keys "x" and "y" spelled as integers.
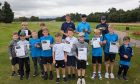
{"x": 22, "y": 37}
{"x": 15, "y": 37}
{"x": 70, "y": 33}
{"x": 110, "y": 29}
{"x": 81, "y": 38}
{"x": 34, "y": 34}
{"x": 24, "y": 25}
{"x": 84, "y": 19}
{"x": 68, "y": 18}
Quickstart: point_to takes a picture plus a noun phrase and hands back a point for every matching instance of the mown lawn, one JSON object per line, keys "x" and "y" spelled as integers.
{"x": 5, "y": 66}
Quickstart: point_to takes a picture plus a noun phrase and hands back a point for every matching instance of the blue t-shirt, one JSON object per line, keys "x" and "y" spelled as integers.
{"x": 47, "y": 53}
{"x": 65, "y": 26}
{"x": 35, "y": 52}
{"x": 97, "y": 51}
{"x": 84, "y": 26}
{"x": 110, "y": 38}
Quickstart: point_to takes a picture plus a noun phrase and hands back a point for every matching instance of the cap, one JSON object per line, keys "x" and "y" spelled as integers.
{"x": 103, "y": 18}
{"x": 22, "y": 33}
{"x": 81, "y": 34}
{"x": 83, "y": 15}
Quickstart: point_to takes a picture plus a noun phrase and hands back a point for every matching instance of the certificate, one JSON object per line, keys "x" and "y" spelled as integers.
{"x": 26, "y": 32}
{"x": 20, "y": 51}
{"x": 113, "y": 47}
{"x": 96, "y": 43}
{"x": 82, "y": 53}
{"x": 45, "y": 45}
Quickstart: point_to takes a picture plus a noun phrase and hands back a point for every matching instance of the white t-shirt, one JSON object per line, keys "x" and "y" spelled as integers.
{"x": 59, "y": 51}
{"x": 72, "y": 41}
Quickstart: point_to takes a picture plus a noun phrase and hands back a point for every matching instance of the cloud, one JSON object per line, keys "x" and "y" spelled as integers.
{"x": 61, "y": 7}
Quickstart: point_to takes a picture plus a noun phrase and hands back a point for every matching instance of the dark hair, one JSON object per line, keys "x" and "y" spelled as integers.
{"x": 58, "y": 34}
{"x": 45, "y": 29}
{"x": 83, "y": 16}
{"x": 70, "y": 29}
{"x": 42, "y": 24}
{"x": 126, "y": 38}
{"x": 15, "y": 33}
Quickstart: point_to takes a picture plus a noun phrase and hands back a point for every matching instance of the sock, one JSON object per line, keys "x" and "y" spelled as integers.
{"x": 46, "y": 72}
{"x": 58, "y": 76}
{"x": 64, "y": 76}
{"x": 94, "y": 72}
{"x": 79, "y": 76}
{"x": 83, "y": 76}
{"x": 99, "y": 72}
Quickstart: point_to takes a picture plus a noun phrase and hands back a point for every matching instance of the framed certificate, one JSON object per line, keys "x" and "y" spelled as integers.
{"x": 96, "y": 43}
{"x": 20, "y": 51}
{"x": 113, "y": 47}
{"x": 82, "y": 53}
{"x": 45, "y": 45}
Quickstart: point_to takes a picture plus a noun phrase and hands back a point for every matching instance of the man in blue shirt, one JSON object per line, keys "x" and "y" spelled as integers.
{"x": 103, "y": 26}
{"x": 46, "y": 55}
{"x": 84, "y": 27}
{"x": 66, "y": 25}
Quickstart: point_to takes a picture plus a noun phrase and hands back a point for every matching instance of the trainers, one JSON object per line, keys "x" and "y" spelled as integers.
{"x": 118, "y": 77}
{"x": 57, "y": 80}
{"x": 45, "y": 76}
{"x": 51, "y": 77}
{"x": 93, "y": 76}
{"x": 106, "y": 75}
{"x": 124, "y": 77}
{"x": 13, "y": 73}
{"x": 99, "y": 76}
{"x": 87, "y": 63}
{"x": 83, "y": 81}
{"x": 65, "y": 79}
{"x": 35, "y": 74}
{"x": 112, "y": 76}
{"x": 79, "y": 81}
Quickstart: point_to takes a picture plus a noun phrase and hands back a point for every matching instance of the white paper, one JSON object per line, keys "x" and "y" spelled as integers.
{"x": 82, "y": 53}
{"x": 67, "y": 47}
{"x": 96, "y": 43}
{"x": 113, "y": 47}
{"x": 45, "y": 45}
{"x": 20, "y": 50}
{"x": 26, "y": 32}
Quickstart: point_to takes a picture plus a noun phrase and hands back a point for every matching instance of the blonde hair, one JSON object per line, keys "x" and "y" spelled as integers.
{"x": 24, "y": 23}
{"x": 42, "y": 24}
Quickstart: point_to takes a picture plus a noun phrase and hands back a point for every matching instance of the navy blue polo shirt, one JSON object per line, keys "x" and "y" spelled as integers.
{"x": 65, "y": 26}
{"x": 104, "y": 25}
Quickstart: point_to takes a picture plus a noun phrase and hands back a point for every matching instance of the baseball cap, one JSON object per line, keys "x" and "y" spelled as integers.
{"x": 83, "y": 15}
{"x": 103, "y": 18}
{"x": 22, "y": 33}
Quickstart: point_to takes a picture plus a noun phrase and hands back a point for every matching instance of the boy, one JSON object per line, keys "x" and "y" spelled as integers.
{"x": 71, "y": 57}
{"x": 81, "y": 63}
{"x": 59, "y": 57}
{"x": 14, "y": 59}
{"x": 35, "y": 49}
{"x": 97, "y": 53}
{"x": 109, "y": 57}
{"x": 125, "y": 52}
{"x": 24, "y": 60}
{"x": 24, "y": 28}
{"x": 46, "y": 54}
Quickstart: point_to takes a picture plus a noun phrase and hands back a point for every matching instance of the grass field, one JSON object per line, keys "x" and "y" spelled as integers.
{"x": 5, "y": 66}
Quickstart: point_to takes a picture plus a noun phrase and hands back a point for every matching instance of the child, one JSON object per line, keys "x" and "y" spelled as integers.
{"x": 42, "y": 25}
{"x": 81, "y": 63}
{"x": 46, "y": 55}
{"x": 71, "y": 58}
{"x": 59, "y": 57}
{"x": 24, "y": 27}
{"x": 109, "y": 57}
{"x": 35, "y": 49}
{"x": 125, "y": 53}
{"x": 97, "y": 53}
{"x": 14, "y": 59}
{"x": 24, "y": 60}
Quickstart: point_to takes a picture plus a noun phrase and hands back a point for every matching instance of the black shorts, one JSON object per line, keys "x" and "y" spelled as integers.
{"x": 96, "y": 59}
{"x": 71, "y": 61}
{"x": 86, "y": 40}
{"x": 46, "y": 60}
{"x": 81, "y": 64}
{"x": 60, "y": 63}
{"x": 110, "y": 57}
{"x": 15, "y": 61}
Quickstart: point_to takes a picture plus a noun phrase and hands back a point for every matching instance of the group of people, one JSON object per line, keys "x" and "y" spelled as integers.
{"x": 69, "y": 52}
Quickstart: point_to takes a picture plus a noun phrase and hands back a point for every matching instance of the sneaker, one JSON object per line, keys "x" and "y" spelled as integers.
{"x": 51, "y": 77}
{"x": 13, "y": 73}
{"x": 118, "y": 77}
{"x": 93, "y": 76}
{"x": 65, "y": 79}
{"x": 42, "y": 74}
{"x": 112, "y": 76}
{"x": 57, "y": 80}
{"x": 124, "y": 77}
{"x": 106, "y": 75}
{"x": 18, "y": 73}
{"x": 83, "y": 81}
{"x": 45, "y": 76}
{"x": 100, "y": 76}
{"x": 87, "y": 63}
{"x": 35, "y": 74}
{"x": 79, "y": 81}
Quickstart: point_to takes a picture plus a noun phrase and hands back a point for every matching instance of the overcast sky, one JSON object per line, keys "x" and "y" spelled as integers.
{"x": 43, "y": 8}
